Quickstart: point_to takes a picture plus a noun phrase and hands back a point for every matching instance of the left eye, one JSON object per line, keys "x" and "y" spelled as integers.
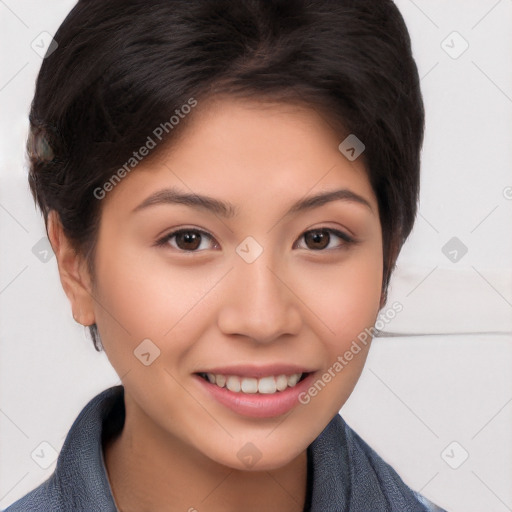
{"x": 319, "y": 239}
{"x": 195, "y": 240}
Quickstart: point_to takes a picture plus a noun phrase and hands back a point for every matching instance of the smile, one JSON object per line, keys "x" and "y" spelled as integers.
{"x": 250, "y": 385}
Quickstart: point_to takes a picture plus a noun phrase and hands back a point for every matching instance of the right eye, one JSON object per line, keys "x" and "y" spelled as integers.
{"x": 186, "y": 240}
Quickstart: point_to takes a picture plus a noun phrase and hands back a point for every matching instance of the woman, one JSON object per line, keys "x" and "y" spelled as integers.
{"x": 226, "y": 186}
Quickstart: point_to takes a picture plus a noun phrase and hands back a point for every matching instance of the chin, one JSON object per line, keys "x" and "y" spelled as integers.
{"x": 255, "y": 456}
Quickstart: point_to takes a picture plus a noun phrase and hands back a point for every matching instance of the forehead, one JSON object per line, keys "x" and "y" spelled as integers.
{"x": 248, "y": 152}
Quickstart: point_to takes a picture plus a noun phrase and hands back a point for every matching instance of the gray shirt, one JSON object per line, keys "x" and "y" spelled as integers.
{"x": 344, "y": 473}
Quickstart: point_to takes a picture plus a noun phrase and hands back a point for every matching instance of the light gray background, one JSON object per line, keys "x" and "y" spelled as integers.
{"x": 443, "y": 373}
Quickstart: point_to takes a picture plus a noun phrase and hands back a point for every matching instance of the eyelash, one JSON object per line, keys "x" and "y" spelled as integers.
{"x": 348, "y": 240}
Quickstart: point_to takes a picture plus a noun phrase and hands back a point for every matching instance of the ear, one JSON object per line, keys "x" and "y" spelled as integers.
{"x": 74, "y": 276}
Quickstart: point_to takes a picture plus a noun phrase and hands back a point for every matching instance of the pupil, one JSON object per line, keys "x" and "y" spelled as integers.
{"x": 190, "y": 238}
{"x": 318, "y": 237}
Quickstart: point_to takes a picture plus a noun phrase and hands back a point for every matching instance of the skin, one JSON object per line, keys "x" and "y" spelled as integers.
{"x": 293, "y": 304}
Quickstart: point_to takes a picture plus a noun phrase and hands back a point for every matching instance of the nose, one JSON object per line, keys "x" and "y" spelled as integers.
{"x": 259, "y": 303}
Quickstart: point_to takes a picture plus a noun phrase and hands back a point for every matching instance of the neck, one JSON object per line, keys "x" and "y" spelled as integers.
{"x": 149, "y": 470}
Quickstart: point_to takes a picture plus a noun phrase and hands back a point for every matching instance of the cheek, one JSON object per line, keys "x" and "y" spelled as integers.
{"x": 345, "y": 296}
{"x": 346, "y": 303}
{"x": 142, "y": 298}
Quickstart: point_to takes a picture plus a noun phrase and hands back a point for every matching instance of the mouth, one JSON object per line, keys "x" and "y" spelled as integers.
{"x": 268, "y": 385}
{"x": 256, "y": 392}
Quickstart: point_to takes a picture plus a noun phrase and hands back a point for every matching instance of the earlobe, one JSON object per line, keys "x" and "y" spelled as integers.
{"x": 73, "y": 272}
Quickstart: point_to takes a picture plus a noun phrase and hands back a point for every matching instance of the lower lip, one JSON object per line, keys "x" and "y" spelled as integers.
{"x": 258, "y": 405}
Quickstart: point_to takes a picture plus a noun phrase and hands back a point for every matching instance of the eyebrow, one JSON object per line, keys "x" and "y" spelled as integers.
{"x": 228, "y": 210}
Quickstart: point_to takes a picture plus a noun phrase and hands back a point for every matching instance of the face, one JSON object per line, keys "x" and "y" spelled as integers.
{"x": 246, "y": 285}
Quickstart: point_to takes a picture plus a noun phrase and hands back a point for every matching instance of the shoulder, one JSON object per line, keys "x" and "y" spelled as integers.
{"x": 356, "y": 477}
{"x": 399, "y": 493}
{"x": 43, "y": 499}
{"x": 80, "y": 482}
{"x": 429, "y": 506}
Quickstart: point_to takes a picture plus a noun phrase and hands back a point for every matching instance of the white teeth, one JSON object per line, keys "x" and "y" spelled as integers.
{"x": 250, "y": 385}
{"x": 282, "y": 382}
{"x": 233, "y": 384}
{"x": 267, "y": 385}
{"x": 220, "y": 380}
{"x": 293, "y": 379}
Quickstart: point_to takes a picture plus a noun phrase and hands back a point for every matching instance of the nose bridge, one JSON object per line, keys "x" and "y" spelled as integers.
{"x": 260, "y": 305}
{"x": 262, "y": 287}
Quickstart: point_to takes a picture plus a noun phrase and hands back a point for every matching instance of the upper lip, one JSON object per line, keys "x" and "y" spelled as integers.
{"x": 258, "y": 371}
